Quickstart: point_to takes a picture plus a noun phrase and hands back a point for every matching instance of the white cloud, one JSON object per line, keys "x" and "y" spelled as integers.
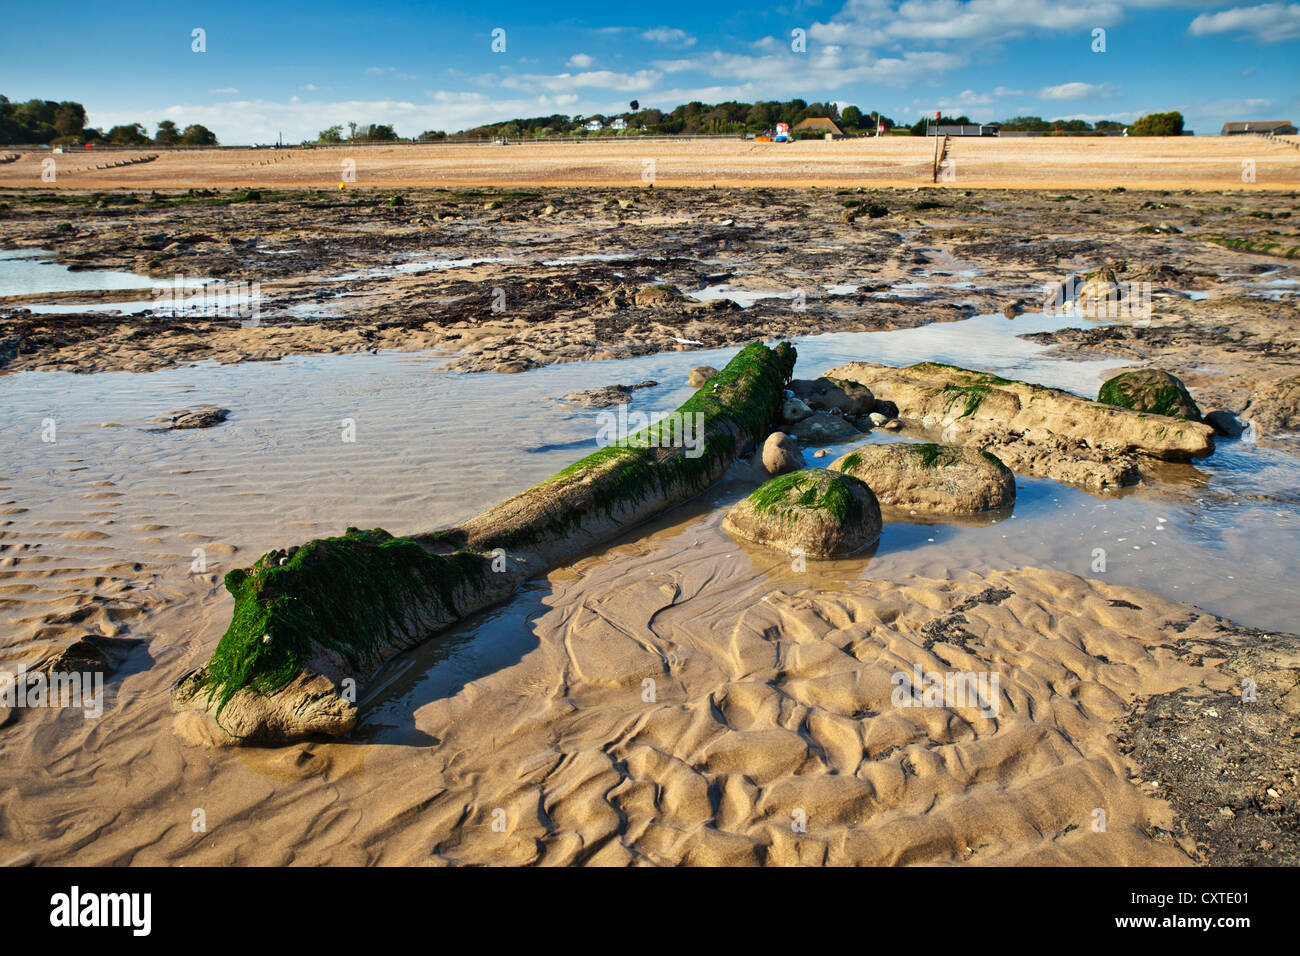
{"x": 563, "y": 82}
{"x": 865, "y": 22}
{"x": 1076, "y": 91}
{"x": 581, "y": 61}
{"x": 825, "y": 68}
{"x": 966, "y": 98}
{"x": 1266, "y": 23}
{"x": 669, "y": 36}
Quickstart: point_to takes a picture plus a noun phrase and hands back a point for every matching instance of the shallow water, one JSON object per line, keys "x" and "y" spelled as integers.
{"x": 433, "y": 447}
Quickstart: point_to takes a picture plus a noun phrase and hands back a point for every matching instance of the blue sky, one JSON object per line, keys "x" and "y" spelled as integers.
{"x": 271, "y": 69}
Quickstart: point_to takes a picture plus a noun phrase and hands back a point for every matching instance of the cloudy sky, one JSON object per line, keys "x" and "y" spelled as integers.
{"x": 270, "y": 69}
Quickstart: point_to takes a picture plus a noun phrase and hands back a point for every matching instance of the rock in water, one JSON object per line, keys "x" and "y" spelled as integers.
{"x": 204, "y": 417}
{"x": 824, "y": 394}
{"x": 931, "y": 479}
{"x": 1225, "y": 423}
{"x": 822, "y": 428}
{"x": 794, "y": 410}
{"x": 700, "y": 374}
{"x": 1275, "y": 406}
{"x": 976, "y": 408}
{"x": 606, "y": 395}
{"x": 781, "y": 454}
{"x": 1150, "y": 390}
{"x": 814, "y": 511}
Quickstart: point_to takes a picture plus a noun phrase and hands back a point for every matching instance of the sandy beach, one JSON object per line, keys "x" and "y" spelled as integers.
{"x": 1195, "y": 162}
{"x": 672, "y": 695}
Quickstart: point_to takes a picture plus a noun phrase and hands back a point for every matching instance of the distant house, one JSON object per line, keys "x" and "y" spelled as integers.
{"x": 1276, "y": 127}
{"x": 819, "y": 124}
{"x": 973, "y": 129}
{"x": 594, "y": 126}
{"x": 619, "y": 123}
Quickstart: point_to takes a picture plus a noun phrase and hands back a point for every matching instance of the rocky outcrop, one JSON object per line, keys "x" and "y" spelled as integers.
{"x": 1275, "y": 406}
{"x": 930, "y": 479}
{"x": 1032, "y": 429}
{"x": 1151, "y": 390}
{"x": 814, "y": 512}
{"x": 605, "y": 395}
{"x": 311, "y": 624}
{"x": 968, "y": 403}
{"x": 826, "y": 394}
{"x": 203, "y": 417}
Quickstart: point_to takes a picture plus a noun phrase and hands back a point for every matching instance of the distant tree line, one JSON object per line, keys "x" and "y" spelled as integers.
{"x": 734, "y": 118}
{"x": 64, "y": 124}
{"x": 370, "y": 133}
{"x": 1154, "y": 124}
{"x": 694, "y": 118}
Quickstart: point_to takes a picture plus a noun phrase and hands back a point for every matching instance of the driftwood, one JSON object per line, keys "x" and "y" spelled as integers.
{"x": 312, "y": 624}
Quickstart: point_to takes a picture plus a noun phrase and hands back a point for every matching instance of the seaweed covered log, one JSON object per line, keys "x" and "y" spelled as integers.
{"x": 311, "y": 624}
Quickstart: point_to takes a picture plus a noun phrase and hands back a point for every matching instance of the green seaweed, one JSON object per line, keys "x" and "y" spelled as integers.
{"x": 971, "y": 376}
{"x": 745, "y": 393}
{"x": 352, "y": 594}
{"x": 802, "y": 488}
{"x": 971, "y": 395}
{"x": 1168, "y": 399}
{"x": 932, "y": 455}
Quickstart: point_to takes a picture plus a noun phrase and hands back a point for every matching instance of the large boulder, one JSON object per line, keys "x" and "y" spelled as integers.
{"x": 781, "y": 454}
{"x": 1150, "y": 390}
{"x": 822, "y": 428}
{"x": 931, "y": 479}
{"x": 825, "y": 394}
{"x": 1275, "y": 406}
{"x": 814, "y": 512}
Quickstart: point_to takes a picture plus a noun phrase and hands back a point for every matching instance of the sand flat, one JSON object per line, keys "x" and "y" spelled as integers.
{"x": 1189, "y": 162}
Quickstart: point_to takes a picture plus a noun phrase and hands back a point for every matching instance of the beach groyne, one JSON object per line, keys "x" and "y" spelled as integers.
{"x": 311, "y": 624}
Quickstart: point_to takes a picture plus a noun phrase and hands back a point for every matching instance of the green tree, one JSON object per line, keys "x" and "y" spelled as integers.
{"x": 332, "y": 135}
{"x": 129, "y": 134}
{"x": 1158, "y": 124}
{"x": 196, "y": 135}
{"x": 168, "y": 134}
{"x": 852, "y": 117}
